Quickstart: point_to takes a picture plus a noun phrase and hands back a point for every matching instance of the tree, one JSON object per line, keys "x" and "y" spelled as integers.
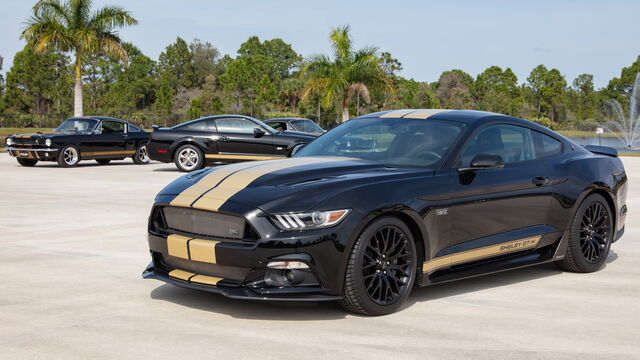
{"x": 348, "y": 73}
{"x": 290, "y": 92}
{"x": 454, "y": 90}
{"x": 176, "y": 65}
{"x": 36, "y": 80}
{"x": 546, "y": 89}
{"x": 283, "y": 58}
{"x": 585, "y": 98}
{"x": 620, "y": 88}
{"x": 242, "y": 80}
{"x": 205, "y": 60}
{"x": 1, "y": 86}
{"x": 495, "y": 90}
{"x": 71, "y": 26}
{"x": 164, "y": 98}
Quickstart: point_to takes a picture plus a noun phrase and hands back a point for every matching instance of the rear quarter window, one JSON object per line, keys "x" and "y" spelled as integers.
{"x": 546, "y": 145}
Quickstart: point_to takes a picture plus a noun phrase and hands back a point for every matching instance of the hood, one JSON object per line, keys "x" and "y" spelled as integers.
{"x": 43, "y": 134}
{"x": 294, "y": 184}
{"x": 298, "y": 134}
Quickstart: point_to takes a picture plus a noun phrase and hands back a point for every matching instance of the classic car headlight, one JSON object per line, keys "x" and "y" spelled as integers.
{"x": 308, "y": 221}
{"x": 47, "y": 142}
{"x": 9, "y": 141}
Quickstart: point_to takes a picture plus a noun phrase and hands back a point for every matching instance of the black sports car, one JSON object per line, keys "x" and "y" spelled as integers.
{"x": 424, "y": 197}
{"x": 221, "y": 139}
{"x": 94, "y": 137}
{"x": 296, "y": 124}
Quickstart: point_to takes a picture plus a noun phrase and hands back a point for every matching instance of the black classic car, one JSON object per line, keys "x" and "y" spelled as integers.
{"x": 440, "y": 195}
{"x": 221, "y": 139}
{"x": 93, "y": 137}
{"x": 295, "y": 124}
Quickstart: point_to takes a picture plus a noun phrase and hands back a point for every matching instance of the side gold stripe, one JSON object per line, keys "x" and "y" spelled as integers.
{"x": 190, "y": 194}
{"x": 177, "y": 246}
{"x": 214, "y": 199}
{"x": 243, "y": 157}
{"x": 205, "y": 280}
{"x": 203, "y": 250}
{"x": 423, "y": 114}
{"x": 396, "y": 113}
{"x": 181, "y": 274}
{"x": 101, "y": 153}
{"x": 481, "y": 253}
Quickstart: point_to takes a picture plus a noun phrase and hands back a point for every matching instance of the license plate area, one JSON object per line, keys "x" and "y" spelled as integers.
{"x": 25, "y": 154}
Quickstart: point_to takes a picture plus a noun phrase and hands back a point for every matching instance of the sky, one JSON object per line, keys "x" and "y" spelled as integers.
{"x": 428, "y": 37}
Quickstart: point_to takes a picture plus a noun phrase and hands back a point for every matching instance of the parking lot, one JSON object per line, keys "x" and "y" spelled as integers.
{"x": 73, "y": 246}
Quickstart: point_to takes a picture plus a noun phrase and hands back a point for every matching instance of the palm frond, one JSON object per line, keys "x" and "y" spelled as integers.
{"x": 111, "y": 44}
{"x": 111, "y": 16}
{"x": 45, "y": 32}
{"x": 361, "y": 89}
{"x": 80, "y": 10}
{"x": 53, "y": 8}
{"x": 341, "y": 42}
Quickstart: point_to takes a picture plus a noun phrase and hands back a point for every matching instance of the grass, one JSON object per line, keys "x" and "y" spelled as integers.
{"x": 11, "y": 131}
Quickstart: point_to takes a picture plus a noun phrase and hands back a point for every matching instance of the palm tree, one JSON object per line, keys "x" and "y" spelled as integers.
{"x": 349, "y": 73}
{"x": 71, "y": 26}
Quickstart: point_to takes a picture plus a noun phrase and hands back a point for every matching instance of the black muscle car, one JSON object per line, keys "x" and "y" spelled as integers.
{"x": 296, "y": 124}
{"x": 221, "y": 139}
{"x": 425, "y": 197}
{"x": 94, "y": 137}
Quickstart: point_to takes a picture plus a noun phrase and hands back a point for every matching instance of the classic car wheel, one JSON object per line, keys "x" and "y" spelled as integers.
{"x": 27, "y": 162}
{"x": 590, "y": 236}
{"x": 381, "y": 268}
{"x": 188, "y": 158}
{"x": 69, "y": 156}
{"x": 103, "y": 161}
{"x": 141, "y": 157}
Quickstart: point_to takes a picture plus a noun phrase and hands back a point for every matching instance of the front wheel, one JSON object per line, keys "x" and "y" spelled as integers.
{"x": 188, "y": 158}
{"x": 69, "y": 156}
{"x": 27, "y": 162}
{"x": 141, "y": 157}
{"x": 590, "y": 236}
{"x": 382, "y": 268}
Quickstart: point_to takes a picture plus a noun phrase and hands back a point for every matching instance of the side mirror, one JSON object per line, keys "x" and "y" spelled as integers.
{"x": 257, "y": 132}
{"x": 485, "y": 162}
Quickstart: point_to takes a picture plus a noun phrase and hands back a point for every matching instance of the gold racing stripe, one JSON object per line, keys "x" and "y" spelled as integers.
{"x": 396, "y": 113}
{"x": 243, "y": 157}
{"x": 423, "y": 114}
{"x": 190, "y": 194}
{"x": 481, "y": 253}
{"x": 177, "y": 246}
{"x": 203, "y": 250}
{"x": 181, "y": 274}
{"x": 205, "y": 280}
{"x": 235, "y": 183}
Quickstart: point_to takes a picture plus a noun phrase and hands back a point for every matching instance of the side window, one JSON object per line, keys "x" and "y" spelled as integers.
{"x": 236, "y": 125}
{"x": 512, "y": 143}
{"x": 112, "y": 127}
{"x": 202, "y": 125}
{"x": 546, "y": 145}
{"x": 133, "y": 128}
{"x": 280, "y": 126}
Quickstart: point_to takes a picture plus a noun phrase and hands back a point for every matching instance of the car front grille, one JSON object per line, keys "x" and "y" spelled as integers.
{"x": 24, "y": 141}
{"x": 200, "y": 223}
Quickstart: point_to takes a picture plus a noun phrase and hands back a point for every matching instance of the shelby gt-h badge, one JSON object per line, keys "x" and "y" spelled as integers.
{"x": 389, "y": 201}
{"x": 94, "y": 137}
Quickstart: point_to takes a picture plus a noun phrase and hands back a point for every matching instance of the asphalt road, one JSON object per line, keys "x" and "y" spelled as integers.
{"x": 73, "y": 246}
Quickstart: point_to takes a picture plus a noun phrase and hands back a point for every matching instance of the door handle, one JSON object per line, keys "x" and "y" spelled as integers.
{"x": 540, "y": 180}
{"x": 224, "y": 138}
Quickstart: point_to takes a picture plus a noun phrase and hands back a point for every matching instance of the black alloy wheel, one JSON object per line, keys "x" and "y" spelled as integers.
{"x": 590, "y": 236}
{"x": 381, "y": 269}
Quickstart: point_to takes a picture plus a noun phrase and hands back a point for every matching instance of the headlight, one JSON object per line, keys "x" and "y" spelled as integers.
{"x": 9, "y": 141}
{"x": 47, "y": 142}
{"x": 308, "y": 221}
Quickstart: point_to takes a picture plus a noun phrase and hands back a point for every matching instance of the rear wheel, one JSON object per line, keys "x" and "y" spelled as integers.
{"x": 141, "y": 157}
{"x": 188, "y": 158}
{"x": 590, "y": 236}
{"x": 381, "y": 269}
{"x": 103, "y": 161}
{"x": 69, "y": 156}
{"x": 27, "y": 162}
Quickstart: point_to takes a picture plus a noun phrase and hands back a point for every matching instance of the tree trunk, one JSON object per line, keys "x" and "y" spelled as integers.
{"x": 77, "y": 100}
{"x": 345, "y": 108}
{"x": 318, "y": 112}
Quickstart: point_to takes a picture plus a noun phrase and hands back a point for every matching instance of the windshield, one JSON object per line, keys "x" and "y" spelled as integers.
{"x": 78, "y": 125}
{"x": 394, "y": 142}
{"x": 305, "y": 125}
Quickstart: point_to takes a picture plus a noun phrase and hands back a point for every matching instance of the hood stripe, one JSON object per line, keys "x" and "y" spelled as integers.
{"x": 213, "y": 199}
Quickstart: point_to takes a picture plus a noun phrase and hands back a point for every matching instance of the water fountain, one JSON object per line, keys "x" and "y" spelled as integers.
{"x": 625, "y": 127}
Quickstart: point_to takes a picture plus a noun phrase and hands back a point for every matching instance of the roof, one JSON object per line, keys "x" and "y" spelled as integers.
{"x": 286, "y": 119}
{"x": 445, "y": 114}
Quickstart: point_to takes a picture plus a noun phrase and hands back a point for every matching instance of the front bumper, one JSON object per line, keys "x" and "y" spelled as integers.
{"x": 33, "y": 153}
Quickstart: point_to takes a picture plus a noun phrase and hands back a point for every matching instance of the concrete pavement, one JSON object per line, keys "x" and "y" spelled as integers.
{"x": 73, "y": 245}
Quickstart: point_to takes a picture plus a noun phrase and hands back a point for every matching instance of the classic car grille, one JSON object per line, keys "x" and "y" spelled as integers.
{"x": 202, "y": 223}
{"x": 24, "y": 142}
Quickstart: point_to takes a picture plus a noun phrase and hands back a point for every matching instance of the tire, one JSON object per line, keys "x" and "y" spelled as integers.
{"x": 188, "y": 158}
{"x": 27, "y": 162}
{"x": 141, "y": 156}
{"x": 590, "y": 236}
{"x": 103, "y": 161}
{"x": 69, "y": 156}
{"x": 366, "y": 279}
